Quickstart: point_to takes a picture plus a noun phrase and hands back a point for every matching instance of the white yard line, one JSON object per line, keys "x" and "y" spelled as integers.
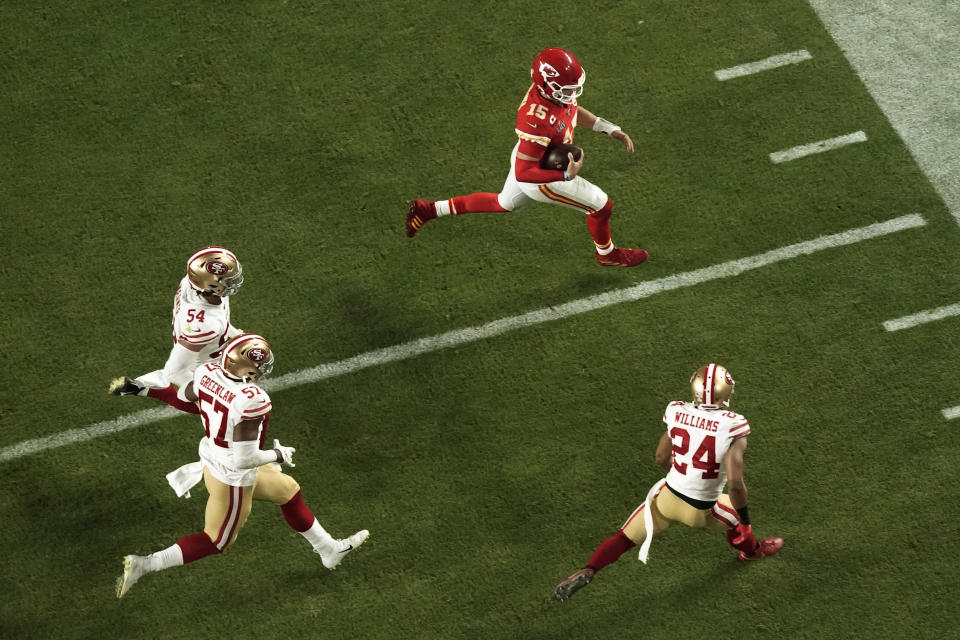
{"x": 497, "y": 327}
{"x": 817, "y": 147}
{"x": 931, "y": 315}
{"x": 951, "y": 413}
{"x": 772, "y": 62}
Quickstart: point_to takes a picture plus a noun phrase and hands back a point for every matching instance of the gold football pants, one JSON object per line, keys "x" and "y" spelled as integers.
{"x": 228, "y": 507}
{"x": 666, "y": 508}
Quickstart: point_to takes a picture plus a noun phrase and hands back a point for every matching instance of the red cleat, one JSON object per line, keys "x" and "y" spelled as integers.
{"x": 623, "y": 257}
{"x": 421, "y": 212}
{"x": 766, "y": 547}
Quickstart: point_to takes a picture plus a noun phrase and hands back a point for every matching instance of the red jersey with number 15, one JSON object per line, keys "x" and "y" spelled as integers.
{"x": 701, "y": 438}
{"x": 541, "y": 122}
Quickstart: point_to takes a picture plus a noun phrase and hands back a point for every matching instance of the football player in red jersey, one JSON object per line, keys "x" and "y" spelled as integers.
{"x": 547, "y": 116}
{"x": 701, "y": 450}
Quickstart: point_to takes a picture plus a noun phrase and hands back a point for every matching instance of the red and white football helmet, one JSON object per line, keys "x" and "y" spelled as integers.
{"x": 215, "y": 270}
{"x": 711, "y": 386}
{"x": 248, "y": 357}
{"x": 558, "y": 75}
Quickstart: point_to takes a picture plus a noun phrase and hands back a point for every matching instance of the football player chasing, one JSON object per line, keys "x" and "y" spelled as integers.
{"x": 235, "y": 413}
{"x": 702, "y": 449}
{"x": 201, "y": 326}
{"x": 547, "y": 116}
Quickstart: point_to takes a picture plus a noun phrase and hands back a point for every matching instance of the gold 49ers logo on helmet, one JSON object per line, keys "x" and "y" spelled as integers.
{"x": 248, "y": 357}
{"x": 215, "y": 270}
{"x": 712, "y": 385}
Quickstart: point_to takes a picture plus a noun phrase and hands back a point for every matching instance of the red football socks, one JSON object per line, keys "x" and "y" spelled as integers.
{"x": 169, "y": 396}
{"x": 609, "y": 550}
{"x": 196, "y": 546}
{"x": 296, "y": 513}
{"x": 476, "y": 203}
{"x": 598, "y": 223}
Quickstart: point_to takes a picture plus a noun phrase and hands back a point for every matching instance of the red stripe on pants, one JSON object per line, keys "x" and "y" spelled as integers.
{"x": 233, "y": 517}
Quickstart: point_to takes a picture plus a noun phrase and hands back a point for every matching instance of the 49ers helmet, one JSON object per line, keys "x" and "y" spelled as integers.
{"x": 215, "y": 270}
{"x": 712, "y": 386}
{"x": 248, "y": 357}
{"x": 559, "y": 75}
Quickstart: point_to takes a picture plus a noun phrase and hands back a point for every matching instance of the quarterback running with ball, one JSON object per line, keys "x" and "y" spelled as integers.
{"x": 546, "y": 117}
{"x": 702, "y": 449}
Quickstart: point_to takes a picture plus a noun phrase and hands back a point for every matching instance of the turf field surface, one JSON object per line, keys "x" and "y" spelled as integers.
{"x": 295, "y": 134}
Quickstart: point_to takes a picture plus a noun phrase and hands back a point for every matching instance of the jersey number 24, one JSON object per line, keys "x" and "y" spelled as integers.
{"x": 704, "y": 458}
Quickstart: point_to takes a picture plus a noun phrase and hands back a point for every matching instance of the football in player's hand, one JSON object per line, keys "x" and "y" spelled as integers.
{"x": 555, "y": 157}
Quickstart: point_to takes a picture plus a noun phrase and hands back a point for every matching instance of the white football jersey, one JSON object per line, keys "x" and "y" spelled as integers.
{"x": 224, "y": 403}
{"x": 701, "y": 438}
{"x": 198, "y": 322}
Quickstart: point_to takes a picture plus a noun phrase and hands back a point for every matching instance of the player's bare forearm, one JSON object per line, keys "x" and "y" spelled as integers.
{"x": 663, "y": 456}
{"x": 589, "y": 120}
{"x": 738, "y": 494}
{"x": 585, "y": 118}
{"x": 733, "y": 461}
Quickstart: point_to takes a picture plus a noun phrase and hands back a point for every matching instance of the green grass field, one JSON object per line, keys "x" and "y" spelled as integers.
{"x": 295, "y": 133}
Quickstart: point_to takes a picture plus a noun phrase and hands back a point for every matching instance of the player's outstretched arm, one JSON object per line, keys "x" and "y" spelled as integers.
{"x": 587, "y": 119}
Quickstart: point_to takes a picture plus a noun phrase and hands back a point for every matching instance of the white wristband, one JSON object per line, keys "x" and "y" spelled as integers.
{"x": 605, "y": 126}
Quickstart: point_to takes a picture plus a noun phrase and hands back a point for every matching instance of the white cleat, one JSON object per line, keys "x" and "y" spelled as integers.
{"x": 134, "y": 568}
{"x": 345, "y": 546}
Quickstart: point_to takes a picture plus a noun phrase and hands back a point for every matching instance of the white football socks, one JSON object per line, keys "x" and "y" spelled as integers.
{"x": 606, "y": 250}
{"x": 443, "y": 207}
{"x": 172, "y": 556}
{"x": 318, "y": 537}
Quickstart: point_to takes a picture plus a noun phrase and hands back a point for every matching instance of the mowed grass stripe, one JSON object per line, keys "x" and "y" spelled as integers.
{"x": 421, "y": 346}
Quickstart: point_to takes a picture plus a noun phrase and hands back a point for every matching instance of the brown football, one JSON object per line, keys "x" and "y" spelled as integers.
{"x": 555, "y": 157}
